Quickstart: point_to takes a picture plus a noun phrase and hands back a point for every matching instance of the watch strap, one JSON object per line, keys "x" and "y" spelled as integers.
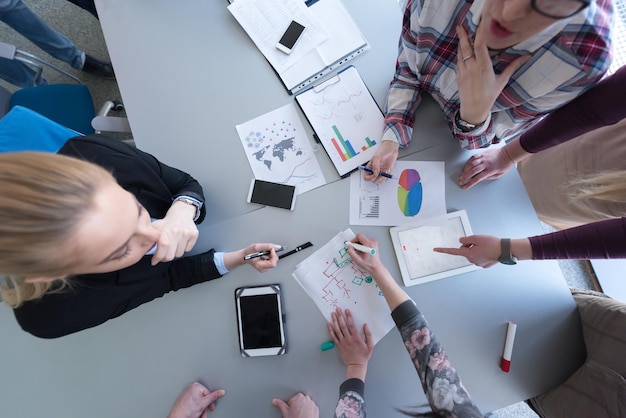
{"x": 190, "y": 201}
{"x": 463, "y": 125}
{"x": 506, "y": 257}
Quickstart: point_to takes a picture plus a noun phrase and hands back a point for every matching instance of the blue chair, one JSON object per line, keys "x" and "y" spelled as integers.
{"x": 23, "y": 129}
{"x": 70, "y": 105}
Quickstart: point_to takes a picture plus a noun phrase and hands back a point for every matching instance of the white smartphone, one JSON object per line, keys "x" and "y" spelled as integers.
{"x": 260, "y": 321}
{"x": 272, "y": 194}
{"x": 290, "y": 38}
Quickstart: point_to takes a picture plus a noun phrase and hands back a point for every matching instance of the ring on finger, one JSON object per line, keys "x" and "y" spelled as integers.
{"x": 468, "y": 57}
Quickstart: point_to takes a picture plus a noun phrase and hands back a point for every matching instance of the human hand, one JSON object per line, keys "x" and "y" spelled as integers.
{"x": 481, "y": 250}
{"x": 366, "y": 261}
{"x": 382, "y": 161}
{"x": 195, "y": 401}
{"x": 355, "y": 352}
{"x": 479, "y": 86}
{"x": 488, "y": 165}
{"x": 178, "y": 232}
{"x": 298, "y": 406}
{"x": 263, "y": 263}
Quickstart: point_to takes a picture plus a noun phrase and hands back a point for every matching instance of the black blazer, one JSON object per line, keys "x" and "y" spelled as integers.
{"x": 95, "y": 298}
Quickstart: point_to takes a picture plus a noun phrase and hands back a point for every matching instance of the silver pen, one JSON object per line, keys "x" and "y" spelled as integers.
{"x": 262, "y": 253}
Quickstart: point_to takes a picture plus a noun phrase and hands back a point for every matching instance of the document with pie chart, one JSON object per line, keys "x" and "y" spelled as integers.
{"x": 415, "y": 194}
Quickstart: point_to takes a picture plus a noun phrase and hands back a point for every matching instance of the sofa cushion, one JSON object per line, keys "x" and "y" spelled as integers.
{"x": 604, "y": 330}
{"x": 598, "y": 388}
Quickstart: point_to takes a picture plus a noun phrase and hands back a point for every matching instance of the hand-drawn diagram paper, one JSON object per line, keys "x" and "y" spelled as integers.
{"x": 415, "y": 194}
{"x": 279, "y": 150}
{"x": 345, "y": 118}
{"x": 332, "y": 280}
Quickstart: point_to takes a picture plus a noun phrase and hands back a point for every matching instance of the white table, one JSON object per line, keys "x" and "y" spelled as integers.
{"x": 135, "y": 365}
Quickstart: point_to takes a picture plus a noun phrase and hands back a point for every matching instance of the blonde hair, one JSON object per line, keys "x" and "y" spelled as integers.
{"x": 43, "y": 198}
{"x": 608, "y": 186}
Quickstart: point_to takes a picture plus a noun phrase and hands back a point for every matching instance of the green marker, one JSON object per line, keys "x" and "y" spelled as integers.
{"x": 361, "y": 247}
{"x": 328, "y": 345}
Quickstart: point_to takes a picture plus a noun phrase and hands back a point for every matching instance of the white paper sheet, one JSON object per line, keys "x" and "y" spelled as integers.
{"x": 279, "y": 150}
{"x": 332, "y": 280}
{"x": 415, "y": 194}
{"x": 346, "y": 119}
{"x": 265, "y": 22}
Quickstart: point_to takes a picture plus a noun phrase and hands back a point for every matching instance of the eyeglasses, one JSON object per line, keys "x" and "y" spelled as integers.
{"x": 558, "y": 9}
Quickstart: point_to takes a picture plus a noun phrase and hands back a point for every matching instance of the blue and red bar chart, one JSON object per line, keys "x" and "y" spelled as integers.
{"x": 344, "y": 147}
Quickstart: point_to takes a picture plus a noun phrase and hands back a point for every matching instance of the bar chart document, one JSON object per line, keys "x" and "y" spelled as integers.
{"x": 345, "y": 118}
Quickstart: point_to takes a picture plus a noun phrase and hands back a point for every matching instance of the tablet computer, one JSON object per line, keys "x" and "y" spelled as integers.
{"x": 413, "y": 245}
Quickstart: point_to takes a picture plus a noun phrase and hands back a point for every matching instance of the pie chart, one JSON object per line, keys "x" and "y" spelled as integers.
{"x": 409, "y": 192}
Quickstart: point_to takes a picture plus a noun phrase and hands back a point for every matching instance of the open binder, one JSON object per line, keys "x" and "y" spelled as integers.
{"x": 345, "y": 117}
{"x": 345, "y": 42}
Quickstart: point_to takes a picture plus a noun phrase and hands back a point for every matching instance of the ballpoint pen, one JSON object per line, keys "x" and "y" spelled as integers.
{"x": 369, "y": 170}
{"x": 262, "y": 253}
{"x": 295, "y": 250}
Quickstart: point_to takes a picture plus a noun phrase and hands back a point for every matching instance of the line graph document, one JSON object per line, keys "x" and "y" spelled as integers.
{"x": 345, "y": 118}
{"x": 332, "y": 280}
{"x": 415, "y": 194}
{"x": 279, "y": 150}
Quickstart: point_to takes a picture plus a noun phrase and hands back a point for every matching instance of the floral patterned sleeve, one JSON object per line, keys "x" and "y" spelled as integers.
{"x": 442, "y": 385}
{"x": 351, "y": 402}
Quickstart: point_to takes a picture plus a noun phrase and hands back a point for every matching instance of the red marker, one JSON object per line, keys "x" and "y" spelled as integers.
{"x": 505, "y": 364}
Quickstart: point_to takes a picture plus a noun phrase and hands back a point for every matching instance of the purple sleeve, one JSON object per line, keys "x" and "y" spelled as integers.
{"x": 604, "y": 104}
{"x": 603, "y": 239}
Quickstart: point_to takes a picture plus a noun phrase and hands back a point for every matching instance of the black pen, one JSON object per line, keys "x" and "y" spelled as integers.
{"x": 298, "y": 248}
{"x": 262, "y": 253}
{"x": 369, "y": 170}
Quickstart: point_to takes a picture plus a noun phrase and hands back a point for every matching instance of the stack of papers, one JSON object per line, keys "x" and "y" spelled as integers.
{"x": 331, "y": 39}
{"x": 331, "y": 279}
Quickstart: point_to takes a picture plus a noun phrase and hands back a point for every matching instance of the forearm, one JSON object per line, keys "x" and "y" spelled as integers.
{"x": 514, "y": 151}
{"x": 233, "y": 259}
{"x": 599, "y": 106}
{"x": 393, "y": 293}
{"x": 403, "y": 98}
{"x": 436, "y": 372}
{"x": 521, "y": 249}
{"x": 603, "y": 239}
{"x": 356, "y": 371}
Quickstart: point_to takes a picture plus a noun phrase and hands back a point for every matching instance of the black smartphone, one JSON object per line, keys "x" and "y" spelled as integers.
{"x": 272, "y": 194}
{"x": 290, "y": 37}
{"x": 260, "y": 321}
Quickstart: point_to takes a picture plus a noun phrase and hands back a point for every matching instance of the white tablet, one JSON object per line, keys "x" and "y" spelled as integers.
{"x": 414, "y": 245}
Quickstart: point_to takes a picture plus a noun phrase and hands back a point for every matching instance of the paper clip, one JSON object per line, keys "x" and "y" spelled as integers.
{"x": 321, "y": 86}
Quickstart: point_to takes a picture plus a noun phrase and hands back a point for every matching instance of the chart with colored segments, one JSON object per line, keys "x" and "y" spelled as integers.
{"x": 415, "y": 194}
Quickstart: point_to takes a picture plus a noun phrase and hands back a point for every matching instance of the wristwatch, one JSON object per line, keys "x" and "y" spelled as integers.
{"x": 190, "y": 201}
{"x": 505, "y": 256}
{"x": 465, "y": 126}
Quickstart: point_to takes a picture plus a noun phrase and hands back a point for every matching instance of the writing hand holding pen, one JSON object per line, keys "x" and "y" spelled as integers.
{"x": 263, "y": 253}
{"x": 261, "y": 263}
{"x": 370, "y": 171}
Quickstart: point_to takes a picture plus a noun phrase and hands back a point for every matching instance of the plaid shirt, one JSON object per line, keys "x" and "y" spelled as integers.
{"x": 567, "y": 58}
